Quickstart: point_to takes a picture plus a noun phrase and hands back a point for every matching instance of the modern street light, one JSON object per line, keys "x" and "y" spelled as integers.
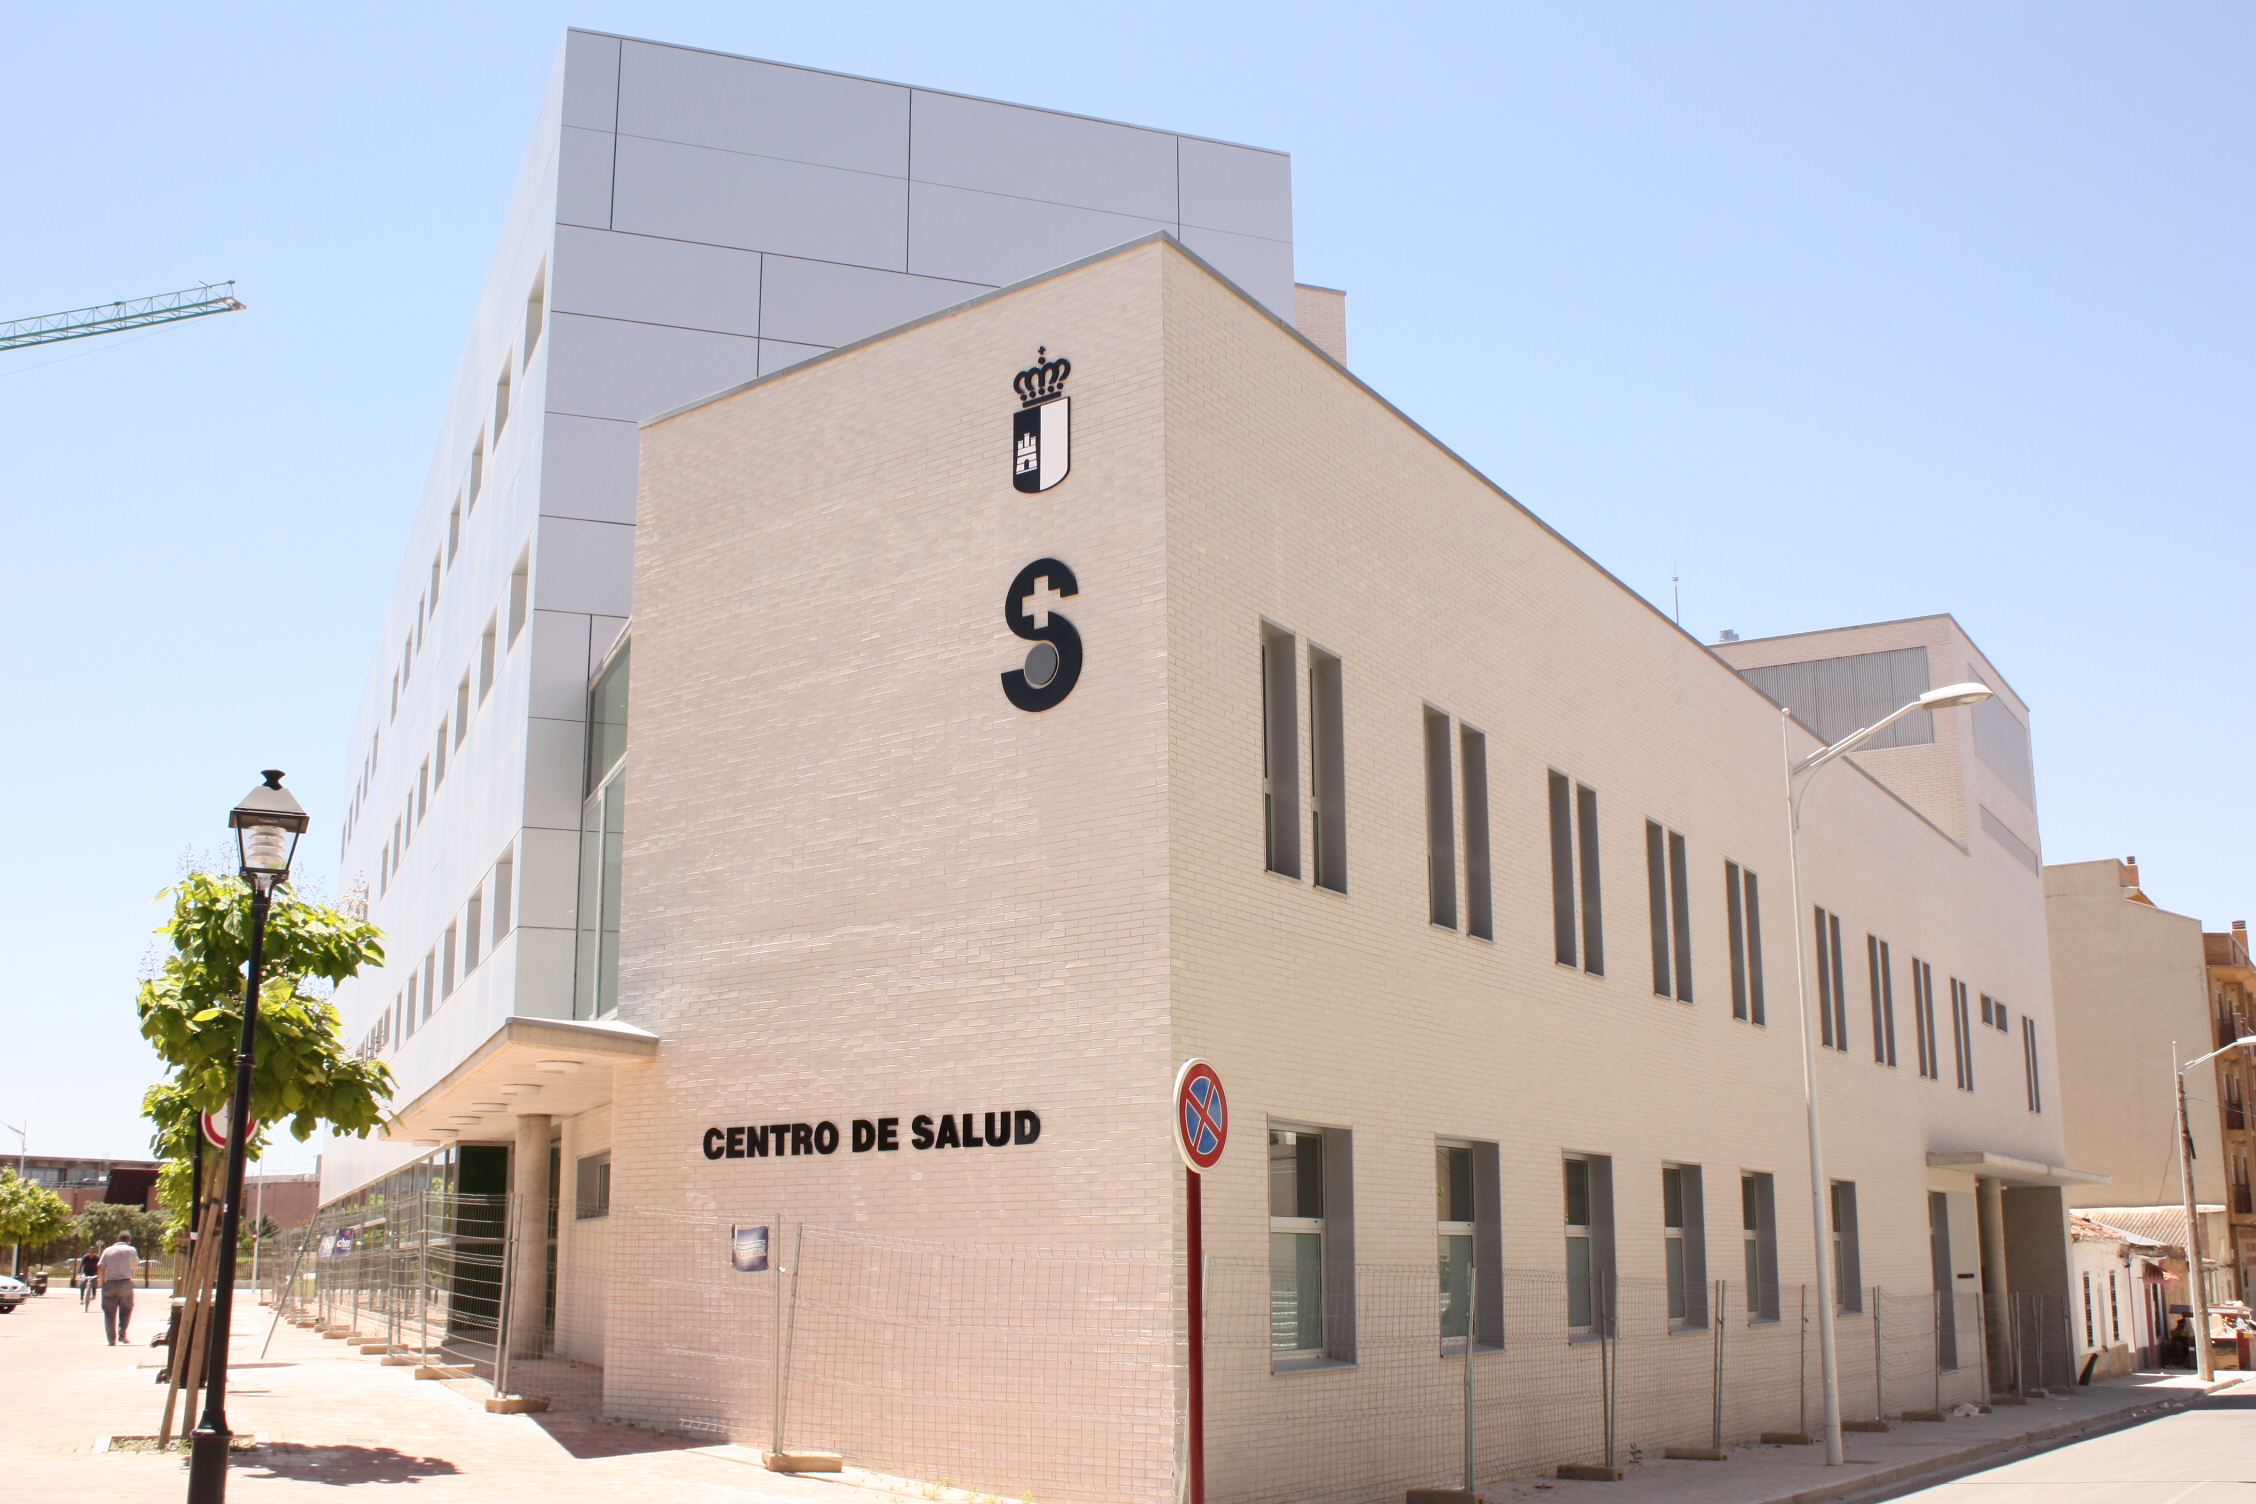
{"x": 1798, "y": 775}
{"x": 267, "y": 825}
{"x": 2194, "y": 1273}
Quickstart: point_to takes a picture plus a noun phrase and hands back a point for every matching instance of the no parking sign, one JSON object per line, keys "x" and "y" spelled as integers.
{"x": 1202, "y": 1116}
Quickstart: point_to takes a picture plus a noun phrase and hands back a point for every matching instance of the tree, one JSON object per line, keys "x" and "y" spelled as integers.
{"x": 192, "y": 1011}
{"x": 30, "y": 1213}
{"x": 104, "y": 1222}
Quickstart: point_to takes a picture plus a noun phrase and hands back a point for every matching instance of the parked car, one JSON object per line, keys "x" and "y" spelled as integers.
{"x": 13, "y": 1293}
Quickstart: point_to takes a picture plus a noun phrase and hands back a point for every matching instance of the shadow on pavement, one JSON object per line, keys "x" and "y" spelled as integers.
{"x": 350, "y": 1464}
{"x": 585, "y": 1436}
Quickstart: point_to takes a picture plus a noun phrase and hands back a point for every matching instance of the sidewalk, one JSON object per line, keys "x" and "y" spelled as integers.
{"x": 1912, "y": 1450}
{"x": 331, "y": 1417}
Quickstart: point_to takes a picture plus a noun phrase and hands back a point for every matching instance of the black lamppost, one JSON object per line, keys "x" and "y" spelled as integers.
{"x": 267, "y": 825}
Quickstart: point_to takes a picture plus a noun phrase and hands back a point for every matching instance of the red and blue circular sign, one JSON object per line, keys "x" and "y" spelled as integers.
{"x": 1202, "y": 1116}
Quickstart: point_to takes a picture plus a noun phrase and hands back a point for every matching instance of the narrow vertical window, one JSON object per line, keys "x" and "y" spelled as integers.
{"x": 1564, "y": 949}
{"x": 1454, "y": 1228}
{"x": 1962, "y": 1036}
{"x": 2029, "y": 1063}
{"x": 1877, "y": 960}
{"x": 1657, "y": 899}
{"x": 1758, "y": 1221}
{"x": 1327, "y": 770}
{"x": 1667, "y": 896}
{"x": 486, "y": 659}
{"x": 1589, "y": 1187}
{"x": 477, "y": 471}
{"x": 448, "y": 955}
{"x": 1586, "y": 844}
{"x": 1923, "y": 1019}
{"x": 438, "y": 574}
{"x": 411, "y": 993}
{"x": 536, "y": 310}
{"x": 501, "y": 395}
{"x": 439, "y": 756}
{"x": 1742, "y": 903}
{"x": 473, "y": 930}
{"x": 454, "y": 531}
{"x": 1832, "y": 984}
{"x": 430, "y": 982}
{"x": 504, "y": 889}
{"x": 2114, "y": 1308}
{"x": 1848, "y": 1263}
{"x": 1296, "y": 1243}
{"x": 1480, "y": 916}
{"x": 1684, "y": 1246}
{"x": 461, "y": 709}
{"x": 520, "y": 590}
{"x": 1441, "y": 830}
{"x": 1280, "y": 763}
{"x": 2091, "y": 1336}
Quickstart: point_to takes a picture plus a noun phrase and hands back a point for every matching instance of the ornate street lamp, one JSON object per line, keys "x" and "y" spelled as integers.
{"x": 267, "y": 825}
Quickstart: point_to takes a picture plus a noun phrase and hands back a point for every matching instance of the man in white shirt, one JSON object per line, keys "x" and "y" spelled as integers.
{"x": 119, "y": 1264}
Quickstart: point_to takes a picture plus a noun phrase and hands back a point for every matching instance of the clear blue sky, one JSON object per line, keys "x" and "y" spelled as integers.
{"x": 1840, "y": 312}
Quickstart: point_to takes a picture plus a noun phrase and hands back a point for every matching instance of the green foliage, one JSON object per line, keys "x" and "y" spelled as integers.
{"x": 29, "y": 1212}
{"x": 192, "y": 1012}
{"x": 99, "y": 1225}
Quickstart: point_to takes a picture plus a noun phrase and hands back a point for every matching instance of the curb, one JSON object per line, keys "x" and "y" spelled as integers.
{"x": 1973, "y": 1458}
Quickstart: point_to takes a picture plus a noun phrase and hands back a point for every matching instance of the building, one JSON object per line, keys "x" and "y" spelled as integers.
{"x": 2132, "y": 992}
{"x": 1296, "y": 745}
{"x": 81, "y": 1182}
{"x": 2120, "y": 1320}
{"x": 2232, "y": 988}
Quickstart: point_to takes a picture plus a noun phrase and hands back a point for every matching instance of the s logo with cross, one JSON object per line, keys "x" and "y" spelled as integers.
{"x": 1053, "y": 664}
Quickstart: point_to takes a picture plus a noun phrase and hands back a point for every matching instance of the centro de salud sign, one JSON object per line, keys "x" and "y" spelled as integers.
{"x": 947, "y": 1130}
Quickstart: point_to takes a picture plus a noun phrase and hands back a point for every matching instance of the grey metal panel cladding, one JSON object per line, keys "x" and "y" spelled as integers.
{"x": 1835, "y": 696}
{"x": 2002, "y": 742}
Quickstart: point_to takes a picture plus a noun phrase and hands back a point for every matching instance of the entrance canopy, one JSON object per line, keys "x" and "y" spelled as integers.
{"x": 547, "y": 1065}
{"x": 2010, "y": 1170}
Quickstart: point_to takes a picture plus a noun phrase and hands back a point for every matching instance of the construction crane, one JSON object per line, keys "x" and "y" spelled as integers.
{"x": 109, "y": 318}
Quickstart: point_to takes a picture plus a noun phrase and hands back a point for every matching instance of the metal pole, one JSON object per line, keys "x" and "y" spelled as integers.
{"x": 775, "y": 1333}
{"x": 791, "y": 1325}
{"x": 207, "y": 1465}
{"x": 1982, "y": 1310}
{"x": 1940, "y": 1297}
{"x": 1716, "y": 1316}
{"x": 1879, "y": 1362}
{"x": 505, "y": 1338}
{"x": 1605, "y": 1363}
{"x": 2194, "y": 1260}
{"x": 1472, "y": 1329}
{"x": 1194, "y": 1275}
{"x": 1829, "y": 1372}
{"x": 1801, "y": 1370}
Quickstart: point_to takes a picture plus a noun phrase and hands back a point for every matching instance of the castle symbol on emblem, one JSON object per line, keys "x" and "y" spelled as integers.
{"x": 1041, "y": 430}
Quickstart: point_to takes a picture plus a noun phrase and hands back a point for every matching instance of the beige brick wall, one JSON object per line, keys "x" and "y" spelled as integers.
{"x": 859, "y": 882}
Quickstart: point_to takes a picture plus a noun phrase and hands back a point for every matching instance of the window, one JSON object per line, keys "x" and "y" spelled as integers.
{"x": 1882, "y": 966}
{"x": 461, "y": 709}
{"x": 520, "y": 590}
{"x": 1280, "y": 752}
{"x": 593, "y": 1193}
{"x": 2029, "y": 1063}
{"x": 536, "y": 308}
{"x": 1668, "y": 884}
{"x": 1480, "y": 913}
{"x": 486, "y": 659}
{"x": 477, "y": 470}
{"x": 1758, "y": 1223}
{"x": 1454, "y": 1226}
{"x": 437, "y": 574}
{"x": 1962, "y": 1036}
{"x": 1742, "y": 906}
{"x": 501, "y": 396}
{"x": 1590, "y": 1244}
{"x": 602, "y": 839}
{"x": 2091, "y": 1338}
{"x": 454, "y": 531}
{"x": 1994, "y": 1014}
{"x": 438, "y": 756}
{"x": 503, "y": 878}
{"x": 1832, "y": 984}
{"x": 447, "y": 956}
{"x": 1441, "y": 829}
{"x": 2114, "y": 1308}
{"x": 473, "y": 927}
{"x": 395, "y": 696}
{"x": 407, "y": 652}
{"x": 419, "y": 808}
{"x": 1327, "y": 770}
{"x": 1311, "y": 1247}
{"x": 1574, "y": 843}
{"x": 422, "y": 620}
{"x": 1684, "y": 1246}
{"x": 1848, "y": 1264}
{"x": 430, "y": 981}
{"x": 1923, "y": 1019}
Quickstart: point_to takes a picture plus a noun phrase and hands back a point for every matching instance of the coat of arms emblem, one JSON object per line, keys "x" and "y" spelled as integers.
{"x": 1041, "y": 430}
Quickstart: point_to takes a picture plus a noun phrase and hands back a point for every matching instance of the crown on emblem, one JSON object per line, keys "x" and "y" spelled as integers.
{"x": 1041, "y": 381}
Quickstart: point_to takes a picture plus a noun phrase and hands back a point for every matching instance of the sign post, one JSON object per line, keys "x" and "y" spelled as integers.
{"x": 1202, "y": 1130}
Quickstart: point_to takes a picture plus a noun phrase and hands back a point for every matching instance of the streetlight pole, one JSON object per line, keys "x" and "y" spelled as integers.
{"x": 267, "y": 825}
{"x": 1798, "y": 776}
{"x": 23, "y": 1153}
{"x": 2194, "y": 1274}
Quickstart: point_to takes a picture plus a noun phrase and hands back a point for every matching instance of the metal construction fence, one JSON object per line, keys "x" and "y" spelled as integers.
{"x": 1058, "y": 1373}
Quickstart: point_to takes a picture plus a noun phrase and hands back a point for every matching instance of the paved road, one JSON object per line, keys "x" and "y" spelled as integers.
{"x": 2205, "y": 1454}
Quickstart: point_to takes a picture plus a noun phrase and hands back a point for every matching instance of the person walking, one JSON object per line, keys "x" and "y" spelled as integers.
{"x": 89, "y": 1278}
{"x": 119, "y": 1263}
